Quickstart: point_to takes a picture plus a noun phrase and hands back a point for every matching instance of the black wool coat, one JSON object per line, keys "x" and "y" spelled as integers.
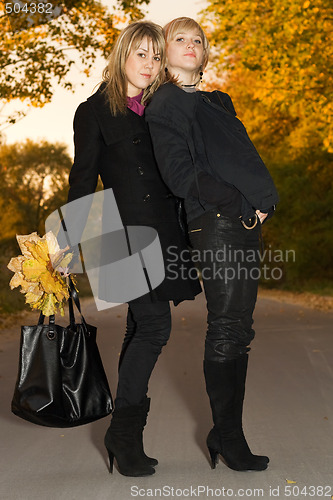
{"x": 119, "y": 150}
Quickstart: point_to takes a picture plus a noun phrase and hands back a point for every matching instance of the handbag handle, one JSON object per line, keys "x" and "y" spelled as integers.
{"x": 51, "y": 330}
{"x": 73, "y": 296}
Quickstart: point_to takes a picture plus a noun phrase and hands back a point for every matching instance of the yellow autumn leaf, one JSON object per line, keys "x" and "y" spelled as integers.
{"x": 59, "y": 296}
{"x": 17, "y": 280}
{"x": 44, "y": 287}
{"x": 66, "y": 260}
{"x": 39, "y": 251}
{"x": 15, "y": 264}
{"x": 31, "y": 298}
{"x": 38, "y": 304}
{"x": 33, "y": 269}
{"x": 62, "y": 294}
{"x": 32, "y": 287}
{"x": 61, "y": 259}
{"x": 22, "y": 238}
{"x": 49, "y": 305}
{"x": 49, "y": 283}
{"x": 52, "y": 243}
{"x": 61, "y": 309}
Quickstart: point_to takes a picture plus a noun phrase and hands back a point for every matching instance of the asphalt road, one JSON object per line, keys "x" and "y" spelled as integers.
{"x": 288, "y": 416}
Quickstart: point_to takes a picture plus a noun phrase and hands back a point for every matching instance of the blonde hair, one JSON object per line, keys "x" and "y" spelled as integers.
{"x": 114, "y": 75}
{"x": 183, "y": 25}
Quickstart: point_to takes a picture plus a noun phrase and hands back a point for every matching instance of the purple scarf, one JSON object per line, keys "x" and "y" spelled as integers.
{"x": 134, "y": 103}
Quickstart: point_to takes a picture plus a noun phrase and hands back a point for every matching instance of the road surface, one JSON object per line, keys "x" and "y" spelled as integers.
{"x": 288, "y": 416}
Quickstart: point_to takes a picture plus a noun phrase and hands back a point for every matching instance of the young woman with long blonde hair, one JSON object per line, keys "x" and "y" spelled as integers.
{"x": 112, "y": 141}
{"x": 225, "y": 208}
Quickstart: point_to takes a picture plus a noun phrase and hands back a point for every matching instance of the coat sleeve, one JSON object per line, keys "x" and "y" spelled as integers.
{"x": 230, "y": 106}
{"x": 83, "y": 179}
{"x": 178, "y": 171}
{"x": 88, "y": 144}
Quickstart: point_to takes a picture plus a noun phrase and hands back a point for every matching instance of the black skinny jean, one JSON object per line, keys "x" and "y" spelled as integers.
{"x": 147, "y": 331}
{"x": 229, "y": 263}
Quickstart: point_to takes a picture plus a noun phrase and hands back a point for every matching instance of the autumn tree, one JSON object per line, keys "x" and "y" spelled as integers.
{"x": 276, "y": 56}
{"x": 34, "y": 177}
{"x": 38, "y": 48}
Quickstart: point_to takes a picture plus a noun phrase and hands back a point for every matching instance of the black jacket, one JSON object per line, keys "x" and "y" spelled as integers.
{"x": 205, "y": 155}
{"x": 119, "y": 149}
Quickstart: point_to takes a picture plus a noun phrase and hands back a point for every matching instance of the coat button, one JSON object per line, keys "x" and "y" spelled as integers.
{"x": 140, "y": 170}
{"x": 146, "y": 198}
{"x": 136, "y": 140}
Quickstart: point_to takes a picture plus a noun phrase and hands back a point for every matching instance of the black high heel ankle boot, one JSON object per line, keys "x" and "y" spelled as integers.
{"x": 225, "y": 383}
{"x": 124, "y": 443}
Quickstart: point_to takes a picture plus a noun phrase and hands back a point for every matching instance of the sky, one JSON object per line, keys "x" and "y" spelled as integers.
{"x": 54, "y": 122}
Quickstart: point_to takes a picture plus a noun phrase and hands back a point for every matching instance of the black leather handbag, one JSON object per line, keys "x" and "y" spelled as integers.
{"x": 61, "y": 380}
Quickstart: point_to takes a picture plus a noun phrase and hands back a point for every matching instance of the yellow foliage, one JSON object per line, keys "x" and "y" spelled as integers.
{"x": 33, "y": 269}
{"x": 36, "y": 272}
{"x": 34, "y": 46}
{"x": 279, "y": 55}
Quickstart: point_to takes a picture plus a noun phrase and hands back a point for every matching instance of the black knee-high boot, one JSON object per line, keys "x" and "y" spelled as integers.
{"x": 123, "y": 440}
{"x": 225, "y": 384}
{"x": 144, "y": 414}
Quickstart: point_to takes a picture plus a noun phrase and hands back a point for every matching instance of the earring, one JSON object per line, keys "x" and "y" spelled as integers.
{"x": 201, "y": 75}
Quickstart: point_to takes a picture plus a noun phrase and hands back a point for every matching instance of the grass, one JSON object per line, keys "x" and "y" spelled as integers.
{"x": 316, "y": 287}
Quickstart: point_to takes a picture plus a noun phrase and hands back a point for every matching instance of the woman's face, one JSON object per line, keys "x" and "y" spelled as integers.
{"x": 142, "y": 67}
{"x": 185, "y": 54}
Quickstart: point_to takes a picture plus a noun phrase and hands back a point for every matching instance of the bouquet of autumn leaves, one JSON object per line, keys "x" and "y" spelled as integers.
{"x": 40, "y": 271}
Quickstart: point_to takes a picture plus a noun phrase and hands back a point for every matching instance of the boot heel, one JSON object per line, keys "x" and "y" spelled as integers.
{"x": 111, "y": 457}
{"x": 123, "y": 441}
{"x": 213, "y": 457}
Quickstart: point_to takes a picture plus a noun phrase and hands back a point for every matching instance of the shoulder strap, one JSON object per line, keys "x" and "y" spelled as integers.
{"x": 73, "y": 296}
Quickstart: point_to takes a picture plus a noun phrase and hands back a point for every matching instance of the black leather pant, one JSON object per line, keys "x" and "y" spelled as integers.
{"x": 148, "y": 330}
{"x": 229, "y": 263}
